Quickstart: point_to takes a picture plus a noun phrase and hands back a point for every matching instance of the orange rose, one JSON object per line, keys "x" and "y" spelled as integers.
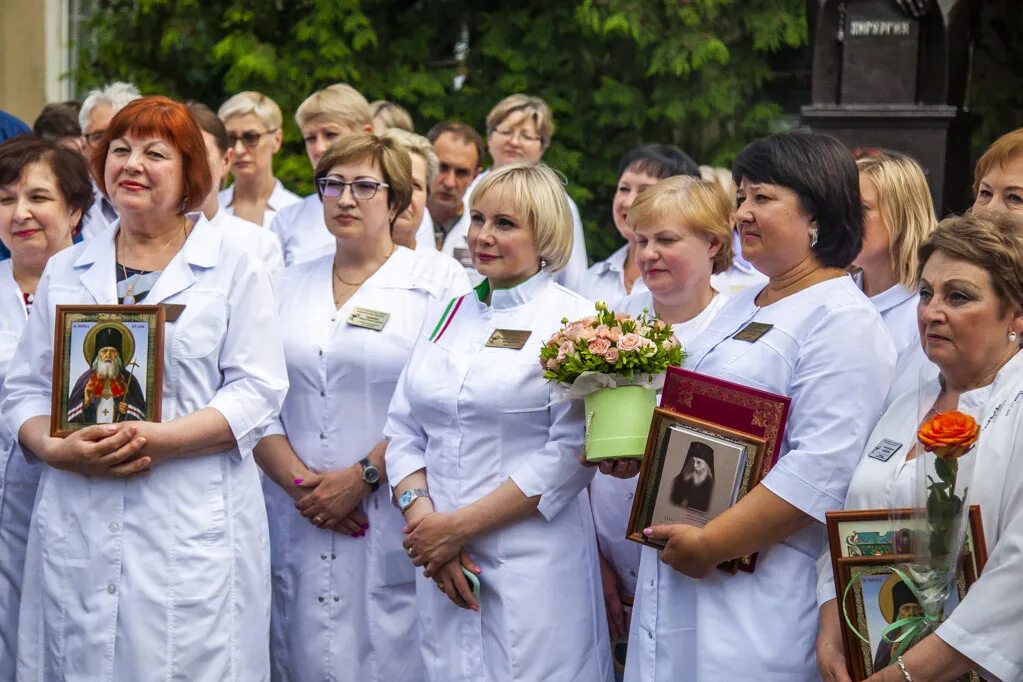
{"x": 949, "y": 435}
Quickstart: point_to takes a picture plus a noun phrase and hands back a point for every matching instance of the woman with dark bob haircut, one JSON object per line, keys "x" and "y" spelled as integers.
{"x": 44, "y": 192}
{"x": 809, "y": 334}
{"x": 147, "y": 554}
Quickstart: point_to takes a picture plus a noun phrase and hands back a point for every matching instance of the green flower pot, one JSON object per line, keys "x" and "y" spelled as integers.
{"x": 618, "y": 421}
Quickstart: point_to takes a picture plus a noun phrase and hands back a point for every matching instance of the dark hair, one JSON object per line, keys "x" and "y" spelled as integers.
{"x": 67, "y": 166}
{"x": 172, "y": 121}
{"x": 659, "y": 161}
{"x": 821, "y": 170}
{"x": 210, "y": 123}
{"x": 463, "y": 131}
{"x": 58, "y": 120}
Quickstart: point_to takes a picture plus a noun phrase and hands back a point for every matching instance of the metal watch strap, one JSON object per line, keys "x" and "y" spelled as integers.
{"x": 413, "y": 495}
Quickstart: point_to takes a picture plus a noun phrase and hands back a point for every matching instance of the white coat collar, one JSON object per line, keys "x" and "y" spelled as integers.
{"x": 96, "y": 262}
{"x": 890, "y": 298}
{"x": 15, "y": 292}
{"x": 501, "y": 299}
{"x": 615, "y": 262}
{"x": 277, "y": 200}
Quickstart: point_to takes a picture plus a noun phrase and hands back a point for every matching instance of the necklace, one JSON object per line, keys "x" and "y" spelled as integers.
{"x": 358, "y": 284}
{"x": 129, "y": 294}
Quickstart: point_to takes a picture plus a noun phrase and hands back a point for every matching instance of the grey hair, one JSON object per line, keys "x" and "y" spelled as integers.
{"x": 116, "y": 94}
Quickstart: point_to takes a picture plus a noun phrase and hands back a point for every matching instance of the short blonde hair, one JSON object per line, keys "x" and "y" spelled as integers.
{"x": 723, "y": 177}
{"x": 419, "y": 145}
{"x": 904, "y": 202}
{"x": 701, "y": 204}
{"x": 536, "y": 194}
{"x": 1002, "y": 151}
{"x": 535, "y": 107}
{"x": 392, "y": 115}
{"x": 252, "y": 102}
{"x": 338, "y": 103}
{"x": 386, "y": 152}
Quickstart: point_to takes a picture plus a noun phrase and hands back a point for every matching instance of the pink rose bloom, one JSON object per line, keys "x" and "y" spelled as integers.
{"x": 629, "y": 342}
{"x": 599, "y": 346}
{"x": 615, "y": 334}
{"x": 566, "y": 348}
{"x": 572, "y": 333}
{"x": 552, "y": 364}
{"x": 587, "y": 333}
{"x": 621, "y": 317}
{"x": 611, "y": 355}
{"x": 603, "y": 331}
{"x": 588, "y": 321}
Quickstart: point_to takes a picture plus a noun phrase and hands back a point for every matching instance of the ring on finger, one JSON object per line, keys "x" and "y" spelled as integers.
{"x": 408, "y": 550}
{"x": 318, "y": 518}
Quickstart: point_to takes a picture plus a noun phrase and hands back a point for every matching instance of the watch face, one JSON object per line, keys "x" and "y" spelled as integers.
{"x": 370, "y": 474}
{"x": 405, "y": 499}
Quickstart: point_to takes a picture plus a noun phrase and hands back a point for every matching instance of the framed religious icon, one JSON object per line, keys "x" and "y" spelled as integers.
{"x": 880, "y": 532}
{"x": 691, "y": 472}
{"x": 738, "y": 429}
{"x": 107, "y": 366}
{"x": 874, "y": 597}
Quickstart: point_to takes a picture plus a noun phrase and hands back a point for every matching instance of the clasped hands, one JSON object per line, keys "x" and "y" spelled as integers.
{"x": 333, "y": 499}
{"x": 436, "y": 541}
{"x": 110, "y": 450}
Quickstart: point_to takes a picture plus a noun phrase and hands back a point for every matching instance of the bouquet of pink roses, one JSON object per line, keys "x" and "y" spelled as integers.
{"x": 614, "y": 362}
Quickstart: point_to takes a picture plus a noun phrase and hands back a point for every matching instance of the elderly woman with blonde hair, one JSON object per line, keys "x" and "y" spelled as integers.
{"x": 254, "y": 120}
{"x": 485, "y": 463}
{"x": 897, "y": 217}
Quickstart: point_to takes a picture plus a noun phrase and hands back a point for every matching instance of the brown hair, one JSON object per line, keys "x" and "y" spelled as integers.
{"x": 385, "y": 151}
{"x": 462, "y": 131}
{"x": 1003, "y": 150}
{"x": 701, "y": 204}
{"x": 68, "y": 168}
{"x": 210, "y": 123}
{"x": 993, "y": 243}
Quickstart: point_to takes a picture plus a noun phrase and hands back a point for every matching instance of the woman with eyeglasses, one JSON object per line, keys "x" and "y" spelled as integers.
{"x": 343, "y": 588}
{"x": 253, "y": 123}
{"x": 519, "y": 130}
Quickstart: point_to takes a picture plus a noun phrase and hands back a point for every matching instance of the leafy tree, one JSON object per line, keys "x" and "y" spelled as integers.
{"x": 616, "y": 73}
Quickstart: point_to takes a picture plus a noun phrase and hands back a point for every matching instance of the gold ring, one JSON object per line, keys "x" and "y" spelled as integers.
{"x": 408, "y": 550}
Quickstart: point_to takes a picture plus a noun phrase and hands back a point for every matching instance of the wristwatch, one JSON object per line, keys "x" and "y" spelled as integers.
{"x": 370, "y": 474}
{"x": 410, "y": 496}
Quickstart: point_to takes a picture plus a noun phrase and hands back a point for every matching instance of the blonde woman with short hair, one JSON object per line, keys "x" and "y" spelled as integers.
{"x": 898, "y": 216}
{"x": 323, "y": 118}
{"x": 485, "y": 463}
{"x": 519, "y": 130}
{"x": 387, "y": 115}
{"x": 683, "y": 237}
{"x": 254, "y": 132}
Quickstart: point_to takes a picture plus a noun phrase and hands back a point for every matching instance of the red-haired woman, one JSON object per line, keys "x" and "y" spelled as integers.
{"x": 147, "y": 555}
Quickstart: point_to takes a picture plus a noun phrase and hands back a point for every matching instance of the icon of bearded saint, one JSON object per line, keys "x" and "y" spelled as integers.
{"x": 693, "y": 486}
{"x": 106, "y": 393}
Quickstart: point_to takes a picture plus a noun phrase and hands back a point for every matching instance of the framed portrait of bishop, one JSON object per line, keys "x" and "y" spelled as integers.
{"x": 107, "y": 366}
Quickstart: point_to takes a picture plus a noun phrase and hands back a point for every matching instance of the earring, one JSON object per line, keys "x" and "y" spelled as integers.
{"x": 1012, "y": 337}
{"x": 543, "y": 264}
{"x": 813, "y": 236}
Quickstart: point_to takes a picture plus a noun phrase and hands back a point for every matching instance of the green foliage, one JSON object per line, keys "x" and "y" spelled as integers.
{"x": 616, "y": 73}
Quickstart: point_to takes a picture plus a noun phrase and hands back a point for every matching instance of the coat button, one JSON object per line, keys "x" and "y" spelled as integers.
{"x": 323, "y": 394}
{"x": 629, "y": 496}
{"x": 323, "y": 436}
{"x": 321, "y": 352}
{"x": 114, "y": 527}
{"x": 337, "y": 598}
{"x": 112, "y": 588}
{"x": 323, "y": 556}
{"x": 333, "y": 556}
{"x": 320, "y": 598}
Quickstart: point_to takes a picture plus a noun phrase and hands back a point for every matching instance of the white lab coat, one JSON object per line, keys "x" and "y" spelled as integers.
{"x": 99, "y": 216}
{"x": 165, "y": 575}
{"x": 262, "y": 246}
{"x": 344, "y": 607}
{"x": 302, "y": 232}
{"x": 985, "y": 625}
{"x": 426, "y": 240}
{"x": 611, "y": 497}
{"x": 474, "y": 417}
{"x": 740, "y": 275}
{"x": 457, "y": 246}
{"x": 279, "y": 199}
{"x": 898, "y": 306}
{"x": 831, "y": 354}
{"x": 19, "y": 479}
{"x": 605, "y": 281}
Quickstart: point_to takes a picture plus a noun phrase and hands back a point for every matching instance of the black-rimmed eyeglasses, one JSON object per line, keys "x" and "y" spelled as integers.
{"x": 363, "y": 190}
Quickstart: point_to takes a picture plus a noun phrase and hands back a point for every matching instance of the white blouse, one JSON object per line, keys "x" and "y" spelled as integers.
{"x": 302, "y": 232}
{"x": 605, "y": 281}
{"x": 279, "y": 199}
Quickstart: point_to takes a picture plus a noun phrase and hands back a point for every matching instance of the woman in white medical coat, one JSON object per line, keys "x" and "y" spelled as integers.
{"x": 344, "y": 590}
{"x": 897, "y": 217}
{"x": 971, "y": 323}
{"x": 486, "y": 467}
{"x": 148, "y": 552}
{"x": 682, "y": 234}
{"x": 618, "y": 275}
{"x": 44, "y": 192}
{"x": 817, "y": 340}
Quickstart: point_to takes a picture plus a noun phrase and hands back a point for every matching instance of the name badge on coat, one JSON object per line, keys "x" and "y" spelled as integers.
{"x": 884, "y": 450}
{"x": 508, "y": 338}
{"x": 368, "y": 318}
{"x": 752, "y": 331}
